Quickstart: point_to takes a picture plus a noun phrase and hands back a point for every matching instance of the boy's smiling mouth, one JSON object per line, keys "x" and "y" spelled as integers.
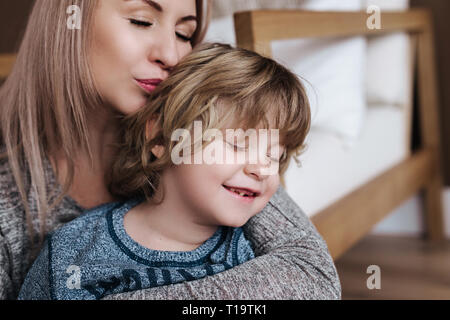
{"x": 242, "y": 192}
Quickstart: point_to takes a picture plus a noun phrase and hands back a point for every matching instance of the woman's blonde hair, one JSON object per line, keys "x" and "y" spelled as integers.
{"x": 214, "y": 84}
{"x": 49, "y": 94}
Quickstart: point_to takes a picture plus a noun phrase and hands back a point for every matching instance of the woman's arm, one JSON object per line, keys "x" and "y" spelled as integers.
{"x": 6, "y": 285}
{"x": 37, "y": 282}
{"x": 292, "y": 262}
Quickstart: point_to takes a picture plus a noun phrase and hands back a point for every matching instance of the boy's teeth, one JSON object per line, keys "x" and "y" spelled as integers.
{"x": 240, "y": 192}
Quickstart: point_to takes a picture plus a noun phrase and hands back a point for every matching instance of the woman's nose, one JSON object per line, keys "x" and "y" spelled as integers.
{"x": 164, "y": 51}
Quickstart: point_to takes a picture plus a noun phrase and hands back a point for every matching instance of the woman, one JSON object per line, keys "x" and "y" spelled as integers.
{"x": 59, "y": 117}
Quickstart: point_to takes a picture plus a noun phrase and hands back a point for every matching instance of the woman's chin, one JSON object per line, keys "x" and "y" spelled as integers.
{"x": 130, "y": 105}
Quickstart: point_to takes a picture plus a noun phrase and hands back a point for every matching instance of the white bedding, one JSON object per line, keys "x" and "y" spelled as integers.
{"x": 330, "y": 171}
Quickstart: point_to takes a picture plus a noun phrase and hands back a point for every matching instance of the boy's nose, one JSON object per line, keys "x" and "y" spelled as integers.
{"x": 260, "y": 170}
{"x": 253, "y": 171}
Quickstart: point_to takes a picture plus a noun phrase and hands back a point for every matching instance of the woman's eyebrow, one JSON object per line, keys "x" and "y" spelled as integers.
{"x": 188, "y": 18}
{"x": 155, "y": 5}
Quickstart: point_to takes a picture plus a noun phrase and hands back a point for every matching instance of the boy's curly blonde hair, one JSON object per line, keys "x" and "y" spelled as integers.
{"x": 213, "y": 84}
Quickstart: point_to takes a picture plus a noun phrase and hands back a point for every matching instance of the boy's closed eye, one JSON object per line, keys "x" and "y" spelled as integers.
{"x": 240, "y": 148}
{"x": 237, "y": 147}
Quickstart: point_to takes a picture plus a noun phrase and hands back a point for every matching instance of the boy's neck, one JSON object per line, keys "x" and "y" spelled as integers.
{"x": 159, "y": 227}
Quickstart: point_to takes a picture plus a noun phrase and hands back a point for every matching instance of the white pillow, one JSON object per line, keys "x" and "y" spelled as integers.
{"x": 228, "y": 7}
{"x": 221, "y": 30}
{"x": 334, "y": 69}
{"x": 389, "y": 62}
{"x": 389, "y": 70}
{"x": 389, "y": 4}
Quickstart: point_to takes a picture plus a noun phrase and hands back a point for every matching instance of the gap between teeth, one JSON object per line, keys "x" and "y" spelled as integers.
{"x": 241, "y": 193}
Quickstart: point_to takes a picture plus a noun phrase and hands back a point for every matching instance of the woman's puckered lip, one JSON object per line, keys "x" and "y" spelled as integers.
{"x": 153, "y": 82}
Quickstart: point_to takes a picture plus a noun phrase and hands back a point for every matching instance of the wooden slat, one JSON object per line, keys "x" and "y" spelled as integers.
{"x": 346, "y": 221}
{"x": 409, "y": 106}
{"x": 430, "y": 132}
{"x": 6, "y": 63}
{"x": 257, "y": 28}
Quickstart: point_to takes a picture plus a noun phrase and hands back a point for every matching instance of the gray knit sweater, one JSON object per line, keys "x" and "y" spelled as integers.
{"x": 292, "y": 260}
{"x": 92, "y": 257}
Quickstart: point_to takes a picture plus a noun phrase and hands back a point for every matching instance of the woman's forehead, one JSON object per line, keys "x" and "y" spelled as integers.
{"x": 163, "y": 6}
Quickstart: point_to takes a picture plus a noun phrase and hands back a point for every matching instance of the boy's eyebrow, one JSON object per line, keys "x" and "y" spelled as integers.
{"x": 155, "y": 5}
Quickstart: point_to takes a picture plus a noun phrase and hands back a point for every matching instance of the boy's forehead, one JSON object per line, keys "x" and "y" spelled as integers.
{"x": 231, "y": 117}
{"x": 234, "y": 120}
{"x": 270, "y": 136}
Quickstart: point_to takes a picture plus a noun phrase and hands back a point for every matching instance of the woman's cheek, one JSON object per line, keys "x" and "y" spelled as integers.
{"x": 185, "y": 49}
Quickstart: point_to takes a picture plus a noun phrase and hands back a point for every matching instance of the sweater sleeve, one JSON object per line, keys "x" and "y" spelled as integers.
{"x": 37, "y": 282}
{"x": 292, "y": 262}
{"x": 6, "y": 285}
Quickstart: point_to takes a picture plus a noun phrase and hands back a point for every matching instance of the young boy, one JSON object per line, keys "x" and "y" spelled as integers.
{"x": 195, "y": 165}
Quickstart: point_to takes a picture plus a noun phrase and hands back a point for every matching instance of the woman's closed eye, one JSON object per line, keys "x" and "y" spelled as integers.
{"x": 183, "y": 37}
{"x": 141, "y": 23}
{"x": 146, "y": 24}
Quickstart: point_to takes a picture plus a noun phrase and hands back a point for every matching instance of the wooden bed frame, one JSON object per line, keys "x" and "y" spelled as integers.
{"x": 6, "y": 63}
{"x": 346, "y": 221}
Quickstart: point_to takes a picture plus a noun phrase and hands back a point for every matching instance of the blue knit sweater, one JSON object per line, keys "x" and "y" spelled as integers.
{"x": 92, "y": 257}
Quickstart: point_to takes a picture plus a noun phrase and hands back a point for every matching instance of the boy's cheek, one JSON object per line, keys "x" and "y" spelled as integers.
{"x": 274, "y": 186}
{"x": 270, "y": 191}
{"x": 271, "y": 170}
{"x": 275, "y": 183}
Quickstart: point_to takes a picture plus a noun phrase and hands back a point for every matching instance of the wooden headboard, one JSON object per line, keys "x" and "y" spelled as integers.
{"x": 346, "y": 221}
{"x": 6, "y": 63}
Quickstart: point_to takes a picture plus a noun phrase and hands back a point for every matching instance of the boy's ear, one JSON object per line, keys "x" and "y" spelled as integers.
{"x": 150, "y": 132}
{"x": 158, "y": 151}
